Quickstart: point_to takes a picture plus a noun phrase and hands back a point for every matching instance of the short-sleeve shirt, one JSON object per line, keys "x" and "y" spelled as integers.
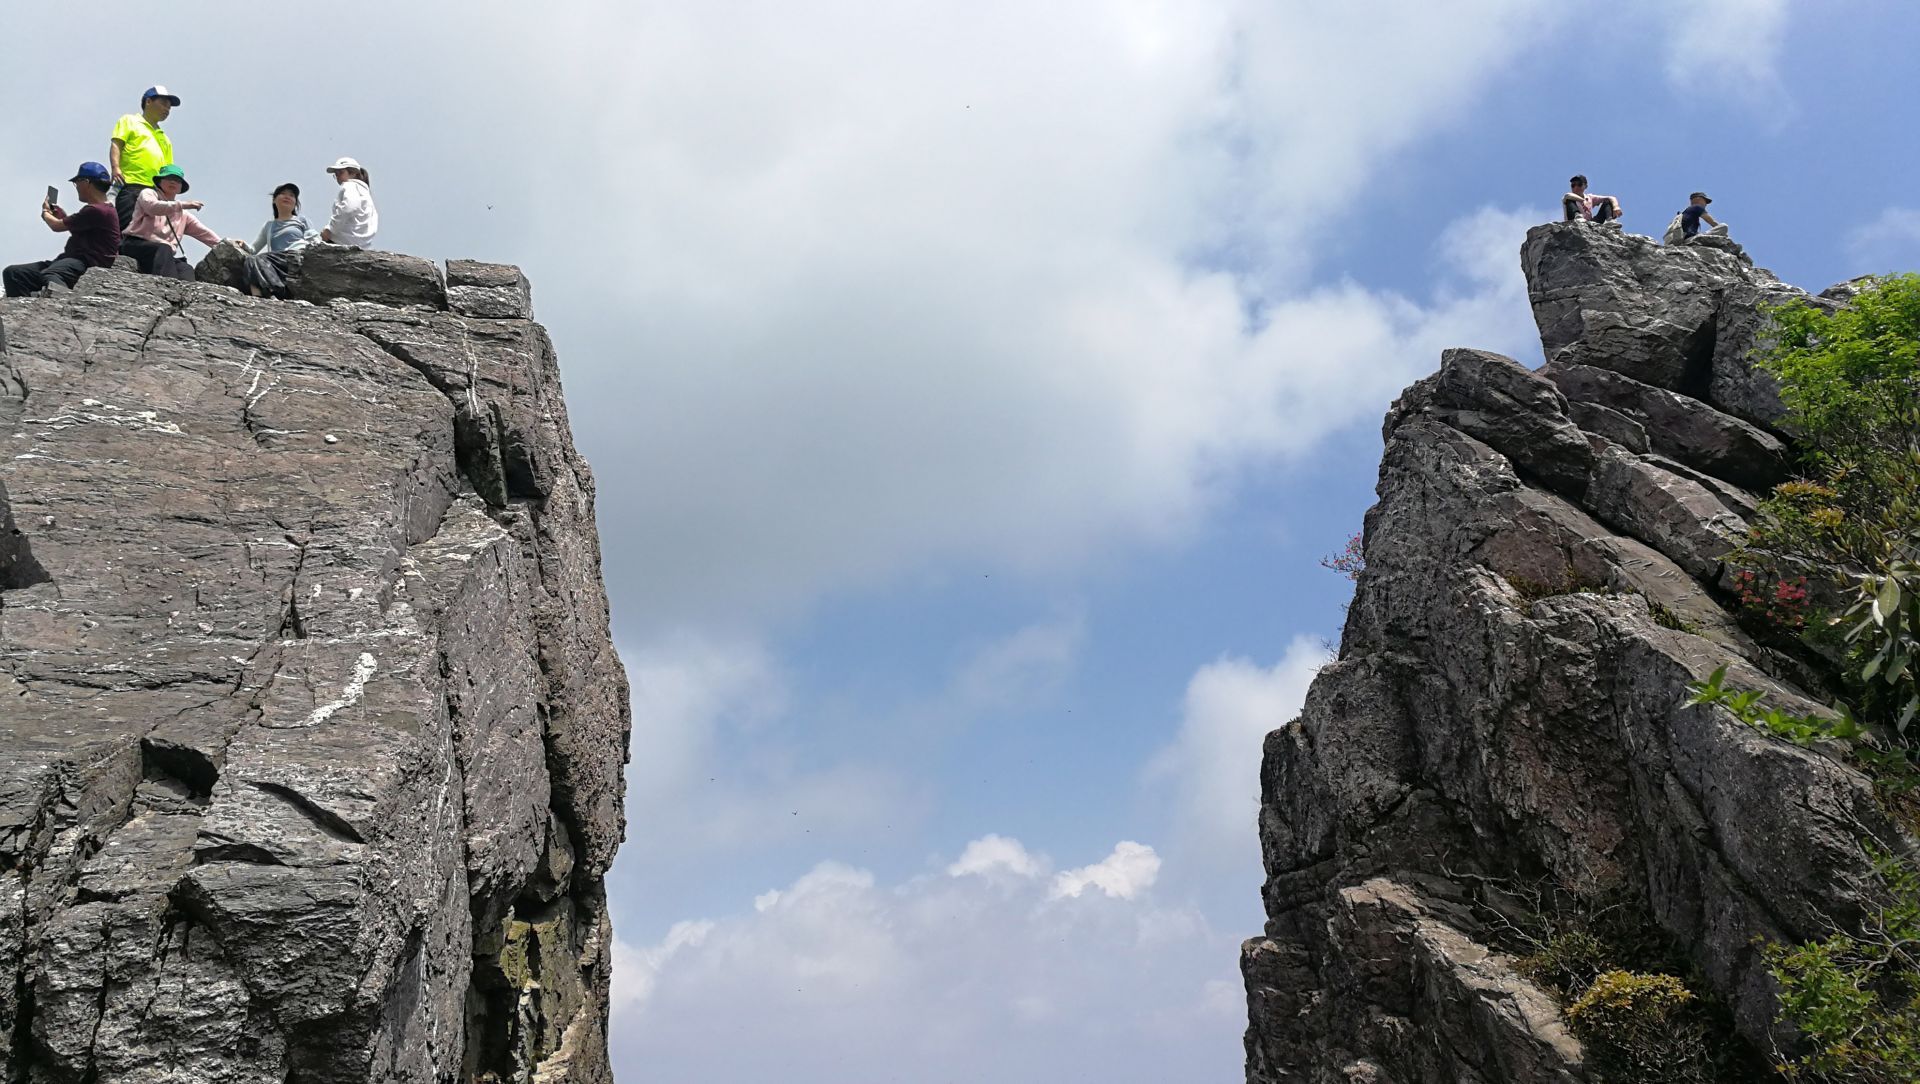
{"x": 93, "y": 234}
{"x": 146, "y": 148}
{"x": 1690, "y": 219}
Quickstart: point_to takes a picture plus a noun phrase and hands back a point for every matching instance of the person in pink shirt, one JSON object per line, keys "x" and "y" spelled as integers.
{"x": 162, "y": 222}
{"x": 1580, "y": 203}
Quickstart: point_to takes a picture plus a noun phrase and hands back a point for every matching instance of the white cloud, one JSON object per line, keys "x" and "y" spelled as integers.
{"x": 1891, "y": 242}
{"x": 716, "y": 761}
{"x": 946, "y": 976}
{"x": 1725, "y": 47}
{"x": 1129, "y": 870}
{"x": 915, "y": 282}
{"x": 1213, "y": 764}
{"x": 992, "y": 853}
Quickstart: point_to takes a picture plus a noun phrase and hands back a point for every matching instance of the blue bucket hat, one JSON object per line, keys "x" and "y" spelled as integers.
{"x": 160, "y": 92}
{"x": 92, "y": 171}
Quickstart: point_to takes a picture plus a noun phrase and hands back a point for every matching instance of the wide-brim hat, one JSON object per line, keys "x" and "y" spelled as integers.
{"x": 1701, "y": 196}
{"x": 175, "y": 172}
{"x": 342, "y": 163}
{"x": 161, "y": 92}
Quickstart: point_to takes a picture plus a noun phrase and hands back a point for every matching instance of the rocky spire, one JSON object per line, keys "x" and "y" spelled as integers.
{"x": 311, "y": 727}
{"x": 1506, "y": 719}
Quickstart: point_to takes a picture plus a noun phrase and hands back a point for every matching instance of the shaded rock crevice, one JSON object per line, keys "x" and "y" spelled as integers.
{"x": 299, "y": 727}
{"x": 1545, "y": 576}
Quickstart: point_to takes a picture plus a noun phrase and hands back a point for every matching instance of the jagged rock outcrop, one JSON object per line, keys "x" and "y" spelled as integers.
{"x": 1543, "y": 581}
{"x": 311, "y": 726}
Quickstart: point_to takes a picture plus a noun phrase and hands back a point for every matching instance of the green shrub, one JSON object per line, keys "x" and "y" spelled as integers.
{"x": 1846, "y": 373}
{"x": 1851, "y": 382}
{"x": 1855, "y": 997}
{"x": 1642, "y": 1028}
{"x": 1568, "y": 962}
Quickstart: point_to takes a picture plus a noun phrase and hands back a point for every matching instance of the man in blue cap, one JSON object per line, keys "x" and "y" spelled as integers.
{"x": 93, "y": 236}
{"x": 139, "y": 149}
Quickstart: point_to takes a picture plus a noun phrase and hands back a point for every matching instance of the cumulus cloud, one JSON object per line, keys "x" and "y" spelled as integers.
{"x": 1129, "y": 870}
{"x": 1212, "y": 766}
{"x": 997, "y": 281}
{"x": 995, "y": 853}
{"x": 979, "y": 971}
{"x": 1890, "y": 242}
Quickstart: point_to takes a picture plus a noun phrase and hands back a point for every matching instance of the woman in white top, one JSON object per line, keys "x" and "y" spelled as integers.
{"x": 354, "y": 220}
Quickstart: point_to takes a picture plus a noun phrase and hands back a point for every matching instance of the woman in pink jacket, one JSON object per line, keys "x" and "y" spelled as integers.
{"x": 162, "y": 221}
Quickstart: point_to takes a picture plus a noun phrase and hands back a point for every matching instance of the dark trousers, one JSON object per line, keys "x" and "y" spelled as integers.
{"x": 126, "y": 196}
{"x": 1604, "y": 211}
{"x": 27, "y": 279}
{"x": 155, "y": 258}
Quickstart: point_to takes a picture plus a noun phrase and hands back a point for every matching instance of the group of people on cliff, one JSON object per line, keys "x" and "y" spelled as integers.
{"x": 131, "y": 206}
{"x": 1579, "y": 204}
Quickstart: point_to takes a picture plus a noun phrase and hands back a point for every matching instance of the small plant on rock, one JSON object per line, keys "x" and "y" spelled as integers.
{"x": 1643, "y": 1028}
{"x": 1351, "y": 561}
{"x": 1855, "y": 997}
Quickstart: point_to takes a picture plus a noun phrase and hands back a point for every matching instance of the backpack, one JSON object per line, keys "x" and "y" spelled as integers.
{"x": 1676, "y": 230}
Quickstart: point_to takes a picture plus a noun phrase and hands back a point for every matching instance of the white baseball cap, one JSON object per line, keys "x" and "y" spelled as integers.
{"x": 343, "y": 163}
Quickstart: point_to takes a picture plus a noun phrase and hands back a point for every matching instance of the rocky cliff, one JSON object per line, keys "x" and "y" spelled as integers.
{"x": 1505, "y": 729}
{"x": 311, "y": 727}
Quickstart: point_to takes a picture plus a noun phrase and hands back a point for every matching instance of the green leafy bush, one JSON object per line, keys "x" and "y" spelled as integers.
{"x": 1845, "y": 374}
{"x": 1855, "y": 997}
{"x": 1851, "y": 382}
{"x": 1642, "y": 1028}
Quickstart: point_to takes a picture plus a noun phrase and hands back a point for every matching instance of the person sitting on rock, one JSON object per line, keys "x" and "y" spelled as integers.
{"x": 284, "y": 234}
{"x": 162, "y": 221}
{"x": 1579, "y": 203}
{"x": 93, "y": 236}
{"x": 138, "y": 149}
{"x": 354, "y": 220}
{"x": 1687, "y": 223}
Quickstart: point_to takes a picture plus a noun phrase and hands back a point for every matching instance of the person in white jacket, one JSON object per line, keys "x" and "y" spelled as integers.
{"x": 355, "y": 220}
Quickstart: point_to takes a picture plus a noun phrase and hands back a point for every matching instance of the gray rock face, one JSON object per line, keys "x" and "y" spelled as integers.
{"x": 1508, "y": 706}
{"x": 1683, "y": 317}
{"x": 1678, "y": 426}
{"x": 223, "y": 265}
{"x": 492, "y": 290}
{"x": 312, "y": 727}
{"x": 340, "y": 272}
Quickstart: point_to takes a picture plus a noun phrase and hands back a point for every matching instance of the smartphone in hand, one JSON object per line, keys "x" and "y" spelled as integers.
{"x": 53, "y": 196}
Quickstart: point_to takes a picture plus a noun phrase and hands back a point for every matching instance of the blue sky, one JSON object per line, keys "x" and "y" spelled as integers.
{"x": 973, "y": 390}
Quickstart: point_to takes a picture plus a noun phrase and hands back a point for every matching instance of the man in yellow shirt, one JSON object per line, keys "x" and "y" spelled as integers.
{"x": 139, "y": 150}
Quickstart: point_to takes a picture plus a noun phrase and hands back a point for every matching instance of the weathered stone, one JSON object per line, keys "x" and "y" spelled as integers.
{"x": 1673, "y": 514}
{"x": 343, "y": 273}
{"x": 1681, "y": 317}
{"x": 1605, "y": 421}
{"x": 1680, "y": 426}
{"x": 489, "y": 290}
{"x": 224, "y": 265}
{"x": 303, "y": 736}
{"x": 1510, "y": 703}
{"x": 1499, "y": 401}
